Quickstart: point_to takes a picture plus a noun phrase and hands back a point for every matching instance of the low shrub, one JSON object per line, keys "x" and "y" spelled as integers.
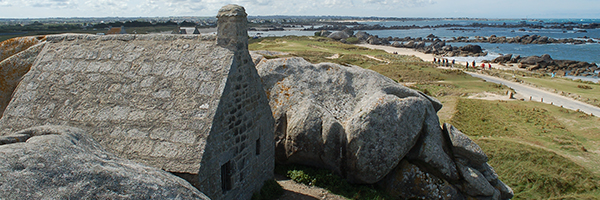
{"x": 352, "y": 40}
{"x": 585, "y": 87}
{"x": 335, "y": 184}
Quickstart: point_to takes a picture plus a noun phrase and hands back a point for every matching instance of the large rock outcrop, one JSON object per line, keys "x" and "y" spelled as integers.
{"x": 350, "y": 120}
{"x": 60, "y": 162}
{"x": 362, "y": 125}
{"x": 546, "y": 64}
{"x": 13, "y": 68}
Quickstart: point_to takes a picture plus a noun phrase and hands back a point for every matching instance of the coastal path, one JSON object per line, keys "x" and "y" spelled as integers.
{"x": 521, "y": 89}
{"x": 541, "y": 95}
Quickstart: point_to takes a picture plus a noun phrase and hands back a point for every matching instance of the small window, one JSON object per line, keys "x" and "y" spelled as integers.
{"x": 258, "y": 146}
{"x": 226, "y": 173}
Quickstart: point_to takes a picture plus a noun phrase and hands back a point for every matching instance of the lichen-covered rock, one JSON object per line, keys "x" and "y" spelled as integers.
{"x": 348, "y": 119}
{"x": 13, "y": 68}
{"x": 433, "y": 148}
{"x": 15, "y": 45}
{"x": 464, "y": 147}
{"x": 59, "y": 162}
{"x": 475, "y": 183}
{"x": 382, "y": 133}
{"x": 408, "y": 181}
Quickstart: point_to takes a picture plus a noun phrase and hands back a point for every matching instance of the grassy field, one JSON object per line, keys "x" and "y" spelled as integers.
{"x": 541, "y": 151}
{"x": 585, "y": 91}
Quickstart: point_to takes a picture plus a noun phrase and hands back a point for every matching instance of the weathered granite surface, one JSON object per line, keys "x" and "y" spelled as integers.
{"x": 408, "y": 181}
{"x": 12, "y": 69}
{"x": 348, "y": 119}
{"x": 13, "y": 46}
{"x": 189, "y": 104}
{"x": 59, "y": 162}
{"x": 361, "y": 124}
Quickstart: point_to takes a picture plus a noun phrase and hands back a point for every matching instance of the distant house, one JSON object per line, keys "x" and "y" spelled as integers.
{"x": 119, "y": 30}
{"x": 188, "y": 30}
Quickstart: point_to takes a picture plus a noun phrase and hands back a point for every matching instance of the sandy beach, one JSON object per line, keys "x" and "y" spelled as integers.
{"x": 428, "y": 57}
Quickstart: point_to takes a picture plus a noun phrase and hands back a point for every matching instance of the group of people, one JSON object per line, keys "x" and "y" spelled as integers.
{"x": 443, "y": 62}
{"x": 473, "y": 64}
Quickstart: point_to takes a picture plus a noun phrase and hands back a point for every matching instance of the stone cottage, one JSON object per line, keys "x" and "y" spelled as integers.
{"x": 192, "y": 105}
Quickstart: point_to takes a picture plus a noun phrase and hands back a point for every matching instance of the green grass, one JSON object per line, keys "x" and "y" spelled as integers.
{"x": 335, "y": 184}
{"x": 540, "y": 150}
{"x": 402, "y": 68}
{"x": 535, "y": 173}
{"x": 577, "y": 88}
{"x": 585, "y": 91}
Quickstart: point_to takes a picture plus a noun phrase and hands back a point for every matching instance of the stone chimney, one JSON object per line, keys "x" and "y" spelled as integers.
{"x": 232, "y": 27}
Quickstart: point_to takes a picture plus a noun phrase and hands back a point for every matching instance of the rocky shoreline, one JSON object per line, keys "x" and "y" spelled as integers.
{"x": 357, "y": 27}
{"x": 545, "y": 64}
{"x": 438, "y": 47}
{"x": 525, "y": 39}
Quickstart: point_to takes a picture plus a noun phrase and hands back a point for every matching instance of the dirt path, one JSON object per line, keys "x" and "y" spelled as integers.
{"x": 539, "y": 95}
{"x": 400, "y": 51}
{"x": 298, "y": 191}
{"x": 522, "y": 90}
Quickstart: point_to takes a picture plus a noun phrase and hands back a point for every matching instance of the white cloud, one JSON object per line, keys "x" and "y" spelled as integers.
{"x": 47, "y": 3}
{"x": 107, "y": 7}
{"x": 401, "y": 3}
{"x": 398, "y": 8}
{"x": 5, "y": 3}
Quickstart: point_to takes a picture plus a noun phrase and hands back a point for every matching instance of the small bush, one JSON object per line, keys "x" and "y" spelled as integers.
{"x": 270, "y": 190}
{"x": 352, "y": 40}
{"x": 335, "y": 184}
{"x": 585, "y": 87}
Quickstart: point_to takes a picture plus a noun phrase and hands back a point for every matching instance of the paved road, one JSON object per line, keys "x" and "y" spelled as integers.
{"x": 538, "y": 94}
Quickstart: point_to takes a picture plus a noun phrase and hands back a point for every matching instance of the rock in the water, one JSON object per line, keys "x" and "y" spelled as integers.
{"x": 531, "y": 60}
{"x": 60, "y": 162}
{"x": 397, "y": 44}
{"x": 338, "y": 35}
{"x": 362, "y": 36}
{"x": 471, "y": 48}
{"x": 345, "y": 117}
{"x": 503, "y": 59}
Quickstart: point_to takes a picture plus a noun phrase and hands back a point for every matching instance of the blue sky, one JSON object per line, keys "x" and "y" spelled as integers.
{"x": 384, "y": 8}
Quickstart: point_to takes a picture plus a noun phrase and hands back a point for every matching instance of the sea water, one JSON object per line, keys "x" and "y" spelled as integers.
{"x": 589, "y": 52}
